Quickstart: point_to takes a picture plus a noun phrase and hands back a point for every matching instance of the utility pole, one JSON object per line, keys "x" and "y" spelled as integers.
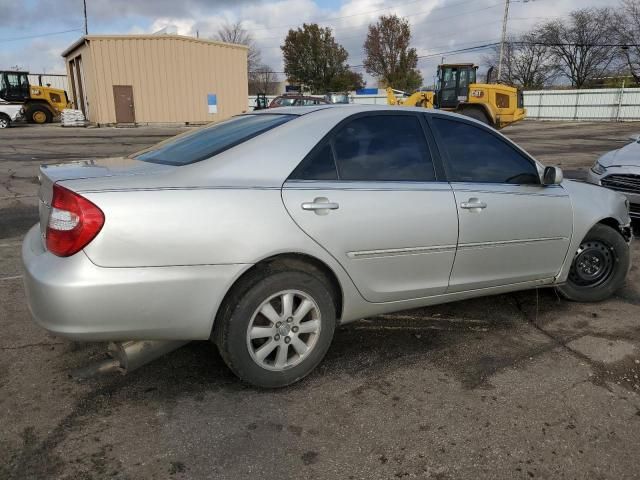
{"x": 504, "y": 38}
{"x": 86, "y": 29}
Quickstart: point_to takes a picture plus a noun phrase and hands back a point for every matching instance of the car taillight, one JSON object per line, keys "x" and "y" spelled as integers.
{"x": 73, "y": 222}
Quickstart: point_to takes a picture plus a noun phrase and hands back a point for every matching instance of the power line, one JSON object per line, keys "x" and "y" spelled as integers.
{"x": 15, "y": 39}
{"x": 428, "y": 22}
{"x": 430, "y": 55}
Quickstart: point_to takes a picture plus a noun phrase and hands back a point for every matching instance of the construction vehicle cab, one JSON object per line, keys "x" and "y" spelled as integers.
{"x": 458, "y": 91}
{"x": 41, "y": 103}
{"x": 453, "y": 84}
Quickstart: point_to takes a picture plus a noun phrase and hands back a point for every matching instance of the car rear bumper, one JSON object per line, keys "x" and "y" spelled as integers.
{"x": 73, "y": 297}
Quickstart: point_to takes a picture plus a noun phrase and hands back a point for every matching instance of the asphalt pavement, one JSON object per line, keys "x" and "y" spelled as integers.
{"x": 524, "y": 385}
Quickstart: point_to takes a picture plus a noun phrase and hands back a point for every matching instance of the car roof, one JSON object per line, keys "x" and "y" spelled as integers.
{"x": 339, "y": 109}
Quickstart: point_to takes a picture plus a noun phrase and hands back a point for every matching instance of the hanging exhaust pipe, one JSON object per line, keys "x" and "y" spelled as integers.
{"x": 129, "y": 356}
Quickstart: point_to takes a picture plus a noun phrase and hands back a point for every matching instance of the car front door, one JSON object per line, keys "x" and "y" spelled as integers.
{"x": 512, "y": 228}
{"x": 368, "y": 193}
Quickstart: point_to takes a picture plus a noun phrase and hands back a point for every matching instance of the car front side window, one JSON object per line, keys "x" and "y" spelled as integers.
{"x": 478, "y": 156}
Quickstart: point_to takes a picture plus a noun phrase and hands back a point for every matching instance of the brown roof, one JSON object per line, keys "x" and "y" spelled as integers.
{"x": 87, "y": 38}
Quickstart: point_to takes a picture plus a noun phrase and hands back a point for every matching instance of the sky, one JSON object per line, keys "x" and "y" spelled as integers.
{"x": 33, "y": 33}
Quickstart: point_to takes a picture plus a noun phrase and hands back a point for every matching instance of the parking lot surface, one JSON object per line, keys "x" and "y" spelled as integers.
{"x": 524, "y": 385}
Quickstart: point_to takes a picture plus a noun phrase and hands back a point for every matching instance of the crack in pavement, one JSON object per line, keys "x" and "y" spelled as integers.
{"x": 30, "y": 345}
{"x": 598, "y": 378}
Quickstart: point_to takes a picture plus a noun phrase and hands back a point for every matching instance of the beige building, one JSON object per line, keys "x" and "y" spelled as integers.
{"x": 147, "y": 79}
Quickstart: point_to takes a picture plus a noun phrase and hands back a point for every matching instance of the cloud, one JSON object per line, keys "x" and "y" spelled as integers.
{"x": 437, "y": 25}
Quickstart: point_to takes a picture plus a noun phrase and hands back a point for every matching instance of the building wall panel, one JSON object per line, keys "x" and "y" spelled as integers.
{"x": 170, "y": 75}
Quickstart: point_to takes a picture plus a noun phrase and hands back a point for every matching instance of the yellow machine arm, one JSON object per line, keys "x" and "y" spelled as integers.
{"x": 416, "y": 99}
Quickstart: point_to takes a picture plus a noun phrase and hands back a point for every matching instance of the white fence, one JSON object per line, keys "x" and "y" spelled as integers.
{"x": 612, "y": 104}
{"x": 55, "y": 81}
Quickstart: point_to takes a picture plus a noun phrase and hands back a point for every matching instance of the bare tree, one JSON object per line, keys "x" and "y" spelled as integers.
{"x": 263, "y": 80}
{"x": 528, "y": 62}
{"x": 628, "y": 32}
{"x": 234, "y": 33}
{"x": 581, "y": 47}
{"x": 388, "y": 56}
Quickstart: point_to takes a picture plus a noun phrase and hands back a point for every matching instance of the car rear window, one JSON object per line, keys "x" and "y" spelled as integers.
{"x": 209, "y": 141}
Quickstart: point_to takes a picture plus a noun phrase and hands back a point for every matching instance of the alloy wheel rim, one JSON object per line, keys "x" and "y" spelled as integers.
{"x": 39, "y": 117}
{"x": 592, "y": 264}
{"x": 284, "y": 330}
{"x": 4, "y": 123}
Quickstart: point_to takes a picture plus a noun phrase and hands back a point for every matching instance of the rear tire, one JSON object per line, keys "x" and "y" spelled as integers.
{"x": 284, "y": 345}
{"x": 5, "y": 121}
{"x": 599, "y": 266}
{"x": 476, "y": 114}
{"x": 38, "y": 114}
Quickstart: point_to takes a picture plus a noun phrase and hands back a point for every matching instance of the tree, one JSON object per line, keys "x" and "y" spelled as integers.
{"x": 346, "y": 81}
{"x": 528, "y": 62}
{"x": 263, "y": 80}
{"x": 581, "y": 47}
{"x": 313, "y": 59}
{"x": 234, "y": 33}
{"x": 388, "y": 56}
{"x": 627, "y": 33}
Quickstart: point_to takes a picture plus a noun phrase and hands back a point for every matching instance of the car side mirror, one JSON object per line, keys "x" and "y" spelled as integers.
{"x": 635, "y": 137}
{"x": 552, "y": 176}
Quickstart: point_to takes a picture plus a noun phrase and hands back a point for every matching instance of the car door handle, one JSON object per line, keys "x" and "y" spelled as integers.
{"x": 320, "y": 205}
{"x": 473, "y": 203}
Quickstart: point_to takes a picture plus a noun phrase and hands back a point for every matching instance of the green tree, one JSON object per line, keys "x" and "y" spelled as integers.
{"x": 313, "y": 59}
{"x": 388, "y": 56}
{"x": 346, "y": 81}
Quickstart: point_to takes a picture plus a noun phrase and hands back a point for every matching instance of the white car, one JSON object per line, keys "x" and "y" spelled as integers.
{"x": 10, "y": 112}
{"x": 619, "y": 170}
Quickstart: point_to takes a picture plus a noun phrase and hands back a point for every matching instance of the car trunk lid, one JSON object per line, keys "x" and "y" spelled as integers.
{"x": 86, "y": 169}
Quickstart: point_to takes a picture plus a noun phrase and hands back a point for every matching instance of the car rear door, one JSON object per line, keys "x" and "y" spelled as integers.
{"x": 512, "y": 228}
{"x": 368, "y": 193}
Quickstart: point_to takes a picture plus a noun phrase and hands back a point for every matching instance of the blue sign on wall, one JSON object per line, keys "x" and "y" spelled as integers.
{"x": 367, "y": 91}
{"x": 212, "y": 102}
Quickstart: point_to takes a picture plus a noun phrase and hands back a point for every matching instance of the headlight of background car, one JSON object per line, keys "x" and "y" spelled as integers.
{"x": 597, "y": 168}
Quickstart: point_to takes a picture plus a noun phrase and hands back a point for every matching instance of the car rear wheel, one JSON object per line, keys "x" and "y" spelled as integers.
{"x": 5, "y": 121}
{"x": 599, "y": 266}
{"x": 278, "y": 330}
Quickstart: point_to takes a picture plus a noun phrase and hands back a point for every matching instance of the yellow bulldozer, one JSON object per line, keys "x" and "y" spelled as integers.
{"x": 41, "y": 103}
{"x": 457, "y": 91}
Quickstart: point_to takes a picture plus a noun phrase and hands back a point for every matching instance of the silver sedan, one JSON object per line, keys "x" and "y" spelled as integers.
{"x": 620, "y": 170}
{"x": 264, "y": 232}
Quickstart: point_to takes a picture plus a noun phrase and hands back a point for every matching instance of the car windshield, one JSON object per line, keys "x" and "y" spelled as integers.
{"x": 209, "y": 141}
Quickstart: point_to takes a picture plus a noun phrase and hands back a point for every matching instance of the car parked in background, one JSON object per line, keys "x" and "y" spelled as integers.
{"x": 266, "y": 231}
{"x": 10, "y": 112}
{"x": 619, "y": 170}
{"x": 296, "y": 101}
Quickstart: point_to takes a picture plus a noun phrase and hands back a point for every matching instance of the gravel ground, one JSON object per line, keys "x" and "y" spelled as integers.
{"x": 522, "y": 385}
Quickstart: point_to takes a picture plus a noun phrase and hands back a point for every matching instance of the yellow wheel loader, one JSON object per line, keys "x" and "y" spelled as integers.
{"x": 494, "y": 104}
{"x": 41, "y": 104}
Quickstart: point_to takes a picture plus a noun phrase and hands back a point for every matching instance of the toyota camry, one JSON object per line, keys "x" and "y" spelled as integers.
{"x": 264, "y": 232}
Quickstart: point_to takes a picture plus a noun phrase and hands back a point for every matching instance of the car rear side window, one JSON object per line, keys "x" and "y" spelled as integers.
{"x": 477, "y": 155}
{"x": 209, "y": 141}
{"x": 383, "y": 148}
{"x": 319, "y": 165}
{"x": 371, "y": 148}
